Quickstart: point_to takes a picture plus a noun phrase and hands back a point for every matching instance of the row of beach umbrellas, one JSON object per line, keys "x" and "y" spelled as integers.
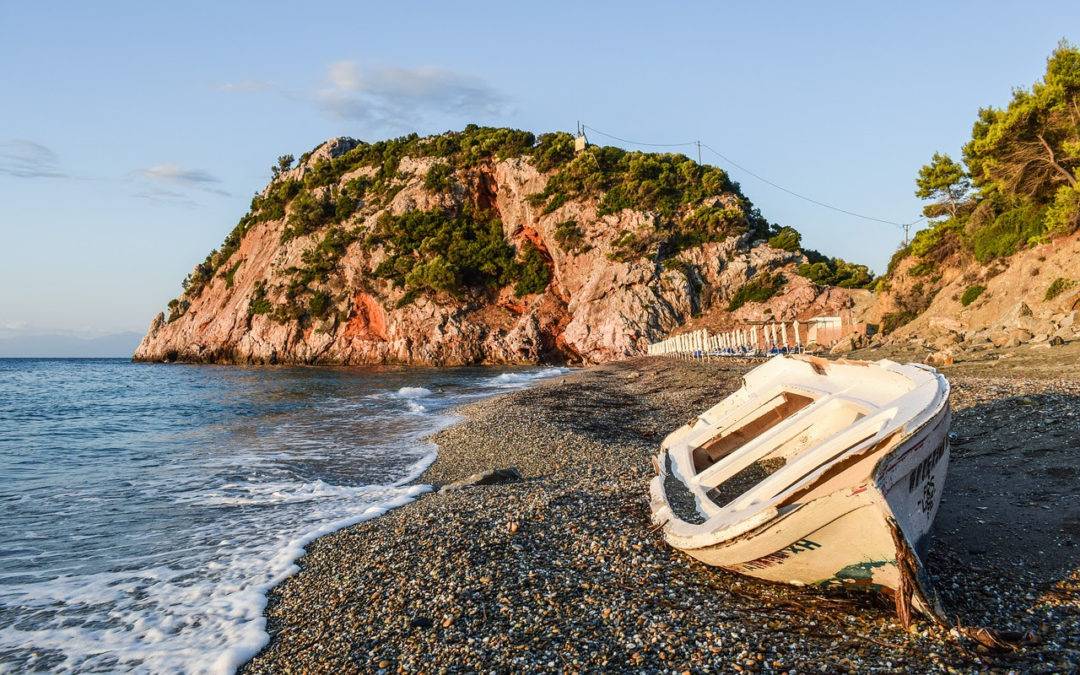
{"x": 773, "y": 338}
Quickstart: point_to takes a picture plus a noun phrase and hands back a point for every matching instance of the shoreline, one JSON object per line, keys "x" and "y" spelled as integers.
{"x": 561, "y": 570}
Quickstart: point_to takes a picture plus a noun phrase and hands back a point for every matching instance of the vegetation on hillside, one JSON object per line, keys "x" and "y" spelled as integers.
{"x": 821, "y": 269}
{"x": 673, "y": 187}
{"x": 1057, "y": 287}
{"x": 1019, "y": 186}
{"x": 758, "y": 289}
{"x": 461, "y": 251}
{"x": 442, "y": 252}
{"x": 971, "y": 294}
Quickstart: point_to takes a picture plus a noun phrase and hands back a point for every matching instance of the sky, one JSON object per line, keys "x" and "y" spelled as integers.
{"x": 133, "y": 135}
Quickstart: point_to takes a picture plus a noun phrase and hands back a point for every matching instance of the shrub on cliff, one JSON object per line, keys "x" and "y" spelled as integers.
{"x": 835, "y": 272}
{"x": 908, "y": 306}
{"x": 1057, "y": 287}
{"x": 971, "y": 294}
{"x": 231, "y": 273}
{"x": 320, "y": 260}
{"x": 638, "y": 180}
{"x": 470, "y": 247}
{"x": 1009, "y": 232}
{"x": 757, "y": 290}
{"x": 271, "y": 206}
{"x": 284, "y": 163}
{"x": 533, "y": 273}
{"x": 568, "y": 236}
{"x": 308, "y": 213}
{"x": 671, "y": 186}
{"x": 438, "y": 178}
{"x": 259, "y": 303}
{"x": 787, "y": 239}
{"x": 893, "y": 320}
{"x": 319, "y": 304}
{"x": 177, "y": 308}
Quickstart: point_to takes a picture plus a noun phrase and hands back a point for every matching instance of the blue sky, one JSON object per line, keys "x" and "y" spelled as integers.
{"x": 133, "y": 135}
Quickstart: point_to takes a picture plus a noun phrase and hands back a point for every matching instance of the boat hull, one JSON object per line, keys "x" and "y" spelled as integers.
{"x": 867, "y": 535}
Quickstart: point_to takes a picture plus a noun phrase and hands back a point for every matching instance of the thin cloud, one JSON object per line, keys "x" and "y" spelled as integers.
{"x": 244, "y": 86}
{"x": 175, "y": 176}
{"x": 27, "y": 159}
{"x": 171, "y": 173}
{"x": 162, "y": 195}
{"x": 405, "y": 97}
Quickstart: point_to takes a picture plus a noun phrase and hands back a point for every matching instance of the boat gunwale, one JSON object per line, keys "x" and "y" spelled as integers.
{"x": 683, "y": 534}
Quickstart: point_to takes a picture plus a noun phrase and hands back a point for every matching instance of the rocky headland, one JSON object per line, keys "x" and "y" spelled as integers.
{"x": 485, "y": 246}
{"x": 493, "y": 246}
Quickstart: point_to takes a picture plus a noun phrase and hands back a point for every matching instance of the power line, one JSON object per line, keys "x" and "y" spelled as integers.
{"x": 903, "y": 226}
{"x": 653, "y": 145}
{"x": 803, "y": 197}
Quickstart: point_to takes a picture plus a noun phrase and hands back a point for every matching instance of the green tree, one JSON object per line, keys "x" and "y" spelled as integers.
{"x": 319, "y": 304}
{"x": 436, "y": 274}
{"x": 284, "y": 163}
{"x": 944, "y": 181}
{"x": 787, "y": 239}
{"x": 1032, "y": 147}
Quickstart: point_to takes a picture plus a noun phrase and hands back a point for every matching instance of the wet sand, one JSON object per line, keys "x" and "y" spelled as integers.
{"x": 562, "y": 571}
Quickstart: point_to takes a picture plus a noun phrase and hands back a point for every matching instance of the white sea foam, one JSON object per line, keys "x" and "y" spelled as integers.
{"x": 413, "y": 392}
{"x": 185, "y": 533}
{"x": 517, "y": 380}
{"x": 169, "y": 618}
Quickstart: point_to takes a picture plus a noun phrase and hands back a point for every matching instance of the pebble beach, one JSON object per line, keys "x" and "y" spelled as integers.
{"x": 561, "y": 571}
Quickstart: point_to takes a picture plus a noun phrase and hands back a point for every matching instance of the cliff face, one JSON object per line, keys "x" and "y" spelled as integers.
{"x": 341, "y": 291}
{"x": 1030, "y": 297}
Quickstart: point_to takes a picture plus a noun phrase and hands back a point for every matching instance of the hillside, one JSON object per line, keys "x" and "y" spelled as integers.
{"x": 999, "y": 262}
{"x": 487, "y": 246}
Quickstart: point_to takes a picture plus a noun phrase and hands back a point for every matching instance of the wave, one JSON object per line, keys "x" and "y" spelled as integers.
{"x": 159, "y": 552}
{"x": 413, "y": 392}
{"x": 517, "y": 380}
{"x": 169, "y": 617}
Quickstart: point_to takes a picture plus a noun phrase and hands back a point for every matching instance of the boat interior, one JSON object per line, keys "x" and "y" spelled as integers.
{"x": 777, "y": 450}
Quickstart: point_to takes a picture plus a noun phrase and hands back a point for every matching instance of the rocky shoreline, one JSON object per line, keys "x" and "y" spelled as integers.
{"x": 561, "y": 571}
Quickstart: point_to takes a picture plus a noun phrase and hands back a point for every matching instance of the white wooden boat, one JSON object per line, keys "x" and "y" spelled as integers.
{"x": 814, "y": 472}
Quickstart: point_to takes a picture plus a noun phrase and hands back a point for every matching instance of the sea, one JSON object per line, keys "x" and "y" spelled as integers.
{"x": 146, "y": 509}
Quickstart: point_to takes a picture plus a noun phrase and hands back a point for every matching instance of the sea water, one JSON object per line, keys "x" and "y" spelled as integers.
{"x": 147, "y": 508}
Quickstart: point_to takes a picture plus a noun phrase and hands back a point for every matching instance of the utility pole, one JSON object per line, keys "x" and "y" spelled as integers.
{"x": 907, "y": 227}
{"x": 699, "y": 153}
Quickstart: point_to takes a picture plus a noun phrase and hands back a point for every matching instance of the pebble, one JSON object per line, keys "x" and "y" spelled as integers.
{"x": 561, "y": 572}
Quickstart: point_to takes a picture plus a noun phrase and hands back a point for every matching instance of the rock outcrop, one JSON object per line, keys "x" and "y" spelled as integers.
{"x": 1031, "y": 297}
{"x": 268, "y": 296}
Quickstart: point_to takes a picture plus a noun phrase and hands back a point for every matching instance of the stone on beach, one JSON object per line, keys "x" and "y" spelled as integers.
{"x": 489, "y": 477}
